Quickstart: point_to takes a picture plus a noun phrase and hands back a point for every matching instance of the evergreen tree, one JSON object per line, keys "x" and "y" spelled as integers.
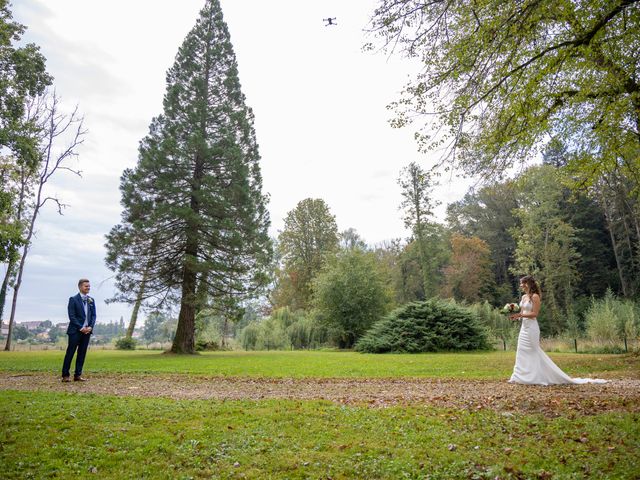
{"x": 195, "y": 217}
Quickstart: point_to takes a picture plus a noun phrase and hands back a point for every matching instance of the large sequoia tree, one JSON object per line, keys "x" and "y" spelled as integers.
{"x": 195, "y": 219}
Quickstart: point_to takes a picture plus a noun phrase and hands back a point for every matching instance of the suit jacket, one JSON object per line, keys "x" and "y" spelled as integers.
{"x": 77, "y": 315}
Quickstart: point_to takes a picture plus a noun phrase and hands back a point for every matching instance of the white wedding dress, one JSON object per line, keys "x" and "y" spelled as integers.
{"x": 533, "y": 366}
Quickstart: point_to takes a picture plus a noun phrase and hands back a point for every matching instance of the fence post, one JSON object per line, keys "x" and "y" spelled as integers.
{"x": 575, "y": 344}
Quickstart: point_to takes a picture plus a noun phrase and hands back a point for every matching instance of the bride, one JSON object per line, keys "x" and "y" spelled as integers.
{"x": 533, "y": 366}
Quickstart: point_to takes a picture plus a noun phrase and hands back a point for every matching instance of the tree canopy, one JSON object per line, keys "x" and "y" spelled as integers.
{"x": 500, "y": 77}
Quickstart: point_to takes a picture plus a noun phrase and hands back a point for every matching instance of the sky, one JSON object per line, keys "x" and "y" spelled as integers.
{"x": 321, "y": 121}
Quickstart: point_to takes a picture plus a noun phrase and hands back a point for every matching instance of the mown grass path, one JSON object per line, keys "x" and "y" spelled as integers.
{"x": 616, "y": 395}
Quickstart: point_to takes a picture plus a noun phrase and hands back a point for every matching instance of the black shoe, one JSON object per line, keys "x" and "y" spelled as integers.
{"x": 66, "y": 379}
{"x": 78, "y": 378}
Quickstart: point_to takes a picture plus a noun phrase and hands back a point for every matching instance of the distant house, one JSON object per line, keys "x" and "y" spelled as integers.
{"x": 62, "y": 325}
{"x": 31, "y": 326}
{"x": 4, "y": 329}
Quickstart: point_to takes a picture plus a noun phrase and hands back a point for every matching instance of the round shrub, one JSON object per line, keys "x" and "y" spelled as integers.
{"x": 429, "y": 326}
{"x": 125, "y": 343}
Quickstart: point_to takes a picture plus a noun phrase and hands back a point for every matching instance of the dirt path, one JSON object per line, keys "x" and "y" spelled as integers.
{"x": 616, "y": 395}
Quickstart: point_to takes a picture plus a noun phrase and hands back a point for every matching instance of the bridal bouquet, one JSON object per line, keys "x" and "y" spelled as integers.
{"x": 511, "y": 308}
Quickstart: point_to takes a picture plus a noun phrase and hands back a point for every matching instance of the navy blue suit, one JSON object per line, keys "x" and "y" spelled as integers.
{"x": 77, "y": 340}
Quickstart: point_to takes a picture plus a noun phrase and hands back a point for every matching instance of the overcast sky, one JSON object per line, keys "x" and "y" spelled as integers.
{"x": 320, "y": 117}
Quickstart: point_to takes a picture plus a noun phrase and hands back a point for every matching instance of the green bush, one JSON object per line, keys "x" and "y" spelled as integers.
{"x": 612, "y": 320}
{"x": 429, "y": 326}
{"x": 126, "y": 343}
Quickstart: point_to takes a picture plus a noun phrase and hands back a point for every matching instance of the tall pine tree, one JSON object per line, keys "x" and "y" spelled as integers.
{"x": 195, "y": 220}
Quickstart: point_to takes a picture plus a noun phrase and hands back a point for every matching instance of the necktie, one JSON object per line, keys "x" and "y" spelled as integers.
{"x": 86, "y": 311}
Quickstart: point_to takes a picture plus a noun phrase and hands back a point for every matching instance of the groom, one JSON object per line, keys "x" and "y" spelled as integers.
{"x": 82, "y": 318}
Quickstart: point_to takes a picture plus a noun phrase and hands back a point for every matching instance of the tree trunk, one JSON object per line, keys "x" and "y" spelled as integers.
{"x": 25, "y": 251}
{"x": 16, "y": 288}
{"x": 607, "y": 216}
{"x": 5, "y": 287}
{"x": 136, "y": 308}
{"x": 184, "y": 341}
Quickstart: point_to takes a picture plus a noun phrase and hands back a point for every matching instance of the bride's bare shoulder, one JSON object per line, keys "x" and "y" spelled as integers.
{"x": 536, "y": 296}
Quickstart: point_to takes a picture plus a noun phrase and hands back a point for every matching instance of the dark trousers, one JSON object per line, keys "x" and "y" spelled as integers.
{"x": 80, "y": 342}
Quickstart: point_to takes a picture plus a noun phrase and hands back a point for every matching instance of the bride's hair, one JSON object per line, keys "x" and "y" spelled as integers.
{"x": 530, "y": 282}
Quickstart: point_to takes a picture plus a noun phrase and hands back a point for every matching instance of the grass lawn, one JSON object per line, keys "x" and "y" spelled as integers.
{"x": 301, "y": 364}
{"x": 59, "y": 435}
{"x": 45, "y": 434}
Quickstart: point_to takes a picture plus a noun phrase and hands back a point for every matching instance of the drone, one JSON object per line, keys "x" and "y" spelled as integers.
{"x": 330, "y": 21}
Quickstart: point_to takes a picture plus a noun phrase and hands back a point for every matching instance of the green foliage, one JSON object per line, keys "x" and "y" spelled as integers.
{"x": 417, "y": 206}
{"x": 283, "y": 330}
{"x": 195, "y": 222}
{"x": 489, "y": 215}
{"x": 22, "y": 76}
{"x": 350, "y": 295}
{"x": 546, "y": 242}
{"x": 499, "y": 78}
{"x": 158, "y": 327}
{"x": 611, "y": 320}
{"x": 429, "y": 326}
{"x": 126, "y": 343}
{"x": 309, "y": 238}
{"x": 499, "y": 326}
{"x": 210, "y": 330}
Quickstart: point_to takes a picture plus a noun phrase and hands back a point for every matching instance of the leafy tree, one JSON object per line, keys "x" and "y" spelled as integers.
{"x": 54, "y": 157}
{"x": 350, "y": 239}
{"x": 488, "y": 215}
{"x": 417, "y": 206}
{"x": 23, "y": 77}
{"x": 310, "y": 235}
{"x": 20, "y": 332}
{"x": 152, "y": 331}
{"x": 546, "y": 242}
{"x": 198, "y": 172}
{"x": 596, "y": 261}
{"x": 619, "y": 199}
{"x": 468, "y": 277}
{"x": 350, "y": 295}
{"x": 498, "y": 77}
{"x": 409, "y": 280}
{"x": 429, "y": 326}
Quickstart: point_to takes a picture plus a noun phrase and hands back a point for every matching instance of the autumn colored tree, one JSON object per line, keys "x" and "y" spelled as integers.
{"x": 468, "y": 277}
